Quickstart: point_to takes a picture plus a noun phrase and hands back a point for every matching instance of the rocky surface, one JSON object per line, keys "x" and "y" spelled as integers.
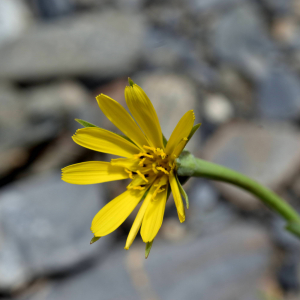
{"x": 44, "y": 225}
{"x": 235, "y": 259}
{"x": 111, "y": 43}
{"x": 266, "y": 152}
{"x": 236, "y": 63}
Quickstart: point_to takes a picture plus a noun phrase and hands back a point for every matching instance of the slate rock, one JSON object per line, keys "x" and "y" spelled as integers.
{"x": 225, "y": 266}
{"x": 103, "y": 44}
{"x": 45, "y": 228}
{"x": 266, "y": 152}
{"x": 278, "y": 94}
{"x": 239, "y": 37}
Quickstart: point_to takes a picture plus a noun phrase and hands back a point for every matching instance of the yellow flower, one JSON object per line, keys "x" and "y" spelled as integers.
{"x": 146, "y": 159}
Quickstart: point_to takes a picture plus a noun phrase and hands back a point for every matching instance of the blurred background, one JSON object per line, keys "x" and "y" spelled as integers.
{"x": 235, "y": 62}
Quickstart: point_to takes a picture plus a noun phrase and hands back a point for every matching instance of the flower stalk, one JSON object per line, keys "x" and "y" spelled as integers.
{"x": 189, "y": 166}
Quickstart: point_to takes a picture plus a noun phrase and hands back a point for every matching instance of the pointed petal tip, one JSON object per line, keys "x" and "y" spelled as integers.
{"x": 130, "y": 81}
{"x": 94, "y": 239}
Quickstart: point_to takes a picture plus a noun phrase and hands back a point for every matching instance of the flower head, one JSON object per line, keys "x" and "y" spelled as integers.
{"x": 146, "y": 158}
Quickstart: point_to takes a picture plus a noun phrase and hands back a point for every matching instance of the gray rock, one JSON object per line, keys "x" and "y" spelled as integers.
{"x": 266, "y": 152}
{"x": 63, "y": 102}
{"x": 239, "y": 37}
{"x": 228, "y": 260}
{"x": 279, "y": 7}
{"x": 17, "y": 128}
{"x": 45, "y": 228}
{"x": 14, "y": 19}
{"x": 284, "y": 238}
{"x": 234, "y": 261}
{"x": 279, "y": 94}
{"x": 211, "y": 5}
{"x": 207, "y": 214}
{"x": 103, "y": 44}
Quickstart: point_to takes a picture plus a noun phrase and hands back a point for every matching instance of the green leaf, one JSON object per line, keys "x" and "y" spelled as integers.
{"x": 183, "y": 193}
{"x": 194, "y": 129}
{"x": 165, "y": 141}
{"x": 85, "y": 123}
{"x": 148, "y": 248}
{"x": 294, "y": 228}
{"x": 94, "y": 239}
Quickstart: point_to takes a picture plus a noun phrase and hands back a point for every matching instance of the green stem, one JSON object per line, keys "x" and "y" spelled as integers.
{"x": 190, "y": 166}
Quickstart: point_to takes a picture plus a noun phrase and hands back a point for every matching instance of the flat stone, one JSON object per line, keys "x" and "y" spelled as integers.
{"x": 45, "y": 228}
{"x": 239, "y": 37}
{"x": 235, "y": 260}
{"x": 103, "y": 44}
{"x": 266, "y": 152}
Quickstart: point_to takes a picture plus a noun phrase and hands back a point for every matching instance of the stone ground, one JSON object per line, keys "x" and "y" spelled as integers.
{"x": 235, "y": 62}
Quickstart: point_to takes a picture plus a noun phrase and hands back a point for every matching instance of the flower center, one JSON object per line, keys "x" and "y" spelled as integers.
{"x": 152, "y": 166}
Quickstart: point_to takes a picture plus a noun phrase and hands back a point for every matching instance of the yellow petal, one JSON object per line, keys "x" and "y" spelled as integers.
{"x": 138, "y": 219}
{"x": 128, "y": 163}
{"x": 153, "y": 217}
{"x": 91, "y": 172}
{"x": 144, "y": 113}
{"x": 102, "y": 140}
{"x": 113, "y": 214}
{"x": 181, "y": 131}
{"x": 177, "y": 198}
{"x": 118, "y": 115}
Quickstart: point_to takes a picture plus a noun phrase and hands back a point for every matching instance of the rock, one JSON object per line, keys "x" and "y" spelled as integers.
{"x": 279, "y": 94}
{"x": 14, "y": 19}
{"x": 207, "y": 215}
{"x": 283, "y": 238}
{"x": 45, "y": 228}
{"x": 165, "y": 51}
{"x": 266, "y": 152}
{"x": 172, "y": 96}
{"x": 62, "y": 101}
{"x": 217, "y": 109}
{"x": 104, "y": 44}
{"x": 240, "y": 38}
{"x": 17, "y": 132}
{"x": 285, "y": 30}
{"x": 203, "y": 6}
{"x": 37, "y": 115}
{"x": 49, "y": 10}
{"x": 235, "y": 259}
{"x": 279, "y": 7}
{"x": 238, "y": 90}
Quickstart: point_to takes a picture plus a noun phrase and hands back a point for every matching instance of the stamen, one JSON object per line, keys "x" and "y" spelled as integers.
{"x": 129, "y": 172}
{"x": 154, "y": 168}
{"x": 139, "y": 187}
{"x": 142, "y": 176}
{"x": 141, "y": 163}
{"x": 163, "y": 170}
{"x": 149, "y": 148}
